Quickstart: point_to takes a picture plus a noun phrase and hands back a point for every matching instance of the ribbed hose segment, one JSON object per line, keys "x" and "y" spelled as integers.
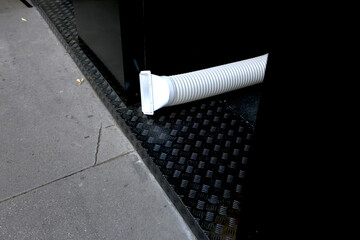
{"x": 216, "y": 80}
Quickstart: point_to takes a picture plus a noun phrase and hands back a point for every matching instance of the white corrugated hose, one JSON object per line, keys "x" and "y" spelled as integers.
{"x": 160, "y": 91}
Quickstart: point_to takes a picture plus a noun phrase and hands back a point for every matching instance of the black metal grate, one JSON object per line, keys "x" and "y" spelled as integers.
{"x": 201, "y": 148}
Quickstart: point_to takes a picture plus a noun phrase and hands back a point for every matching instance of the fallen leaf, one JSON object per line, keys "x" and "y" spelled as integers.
{"x": 24, "y": 19}
{"x": 80, "y": 81}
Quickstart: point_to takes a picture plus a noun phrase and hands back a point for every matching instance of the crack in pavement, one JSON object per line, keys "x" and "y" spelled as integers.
{"x": 66, "y": 176}
{"x": 98, "y": 145}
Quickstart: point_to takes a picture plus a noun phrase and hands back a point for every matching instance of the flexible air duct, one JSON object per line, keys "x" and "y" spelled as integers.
{"x": 161, "y": 91}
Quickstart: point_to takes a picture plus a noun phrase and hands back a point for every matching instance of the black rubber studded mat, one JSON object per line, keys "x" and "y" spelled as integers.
{"x": 198, "y": 151}
{"x": 202, "y": 150}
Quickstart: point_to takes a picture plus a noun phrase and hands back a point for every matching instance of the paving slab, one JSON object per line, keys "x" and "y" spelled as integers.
{"x": 66, "y": 169}
{"x": 119, "y": 199}
{"x": 50, "y": 125}
{"x": 11, "y": 4}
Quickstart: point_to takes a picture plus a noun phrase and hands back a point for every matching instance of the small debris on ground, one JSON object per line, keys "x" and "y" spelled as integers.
{"x": 80, "y": 81}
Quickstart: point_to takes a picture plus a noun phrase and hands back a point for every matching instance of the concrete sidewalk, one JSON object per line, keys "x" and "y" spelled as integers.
{"x": 66, "y": 169}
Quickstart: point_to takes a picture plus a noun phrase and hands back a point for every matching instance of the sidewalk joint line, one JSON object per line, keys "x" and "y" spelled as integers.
{"x": 113, "y": 158}
{"x": 43, "y": 185}
{"x": 66, "y": 176}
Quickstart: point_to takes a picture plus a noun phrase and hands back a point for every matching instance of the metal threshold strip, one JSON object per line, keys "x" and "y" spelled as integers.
{"x": 198, "y": 152}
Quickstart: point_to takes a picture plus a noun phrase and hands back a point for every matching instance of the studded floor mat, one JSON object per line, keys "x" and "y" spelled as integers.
{"x": 197, "y": 151}
{"x": 202, "y": 150}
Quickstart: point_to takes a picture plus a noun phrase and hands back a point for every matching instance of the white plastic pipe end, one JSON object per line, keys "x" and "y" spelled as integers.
{"x": 146, "y": 91}
{"x": 156, "y": 92}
